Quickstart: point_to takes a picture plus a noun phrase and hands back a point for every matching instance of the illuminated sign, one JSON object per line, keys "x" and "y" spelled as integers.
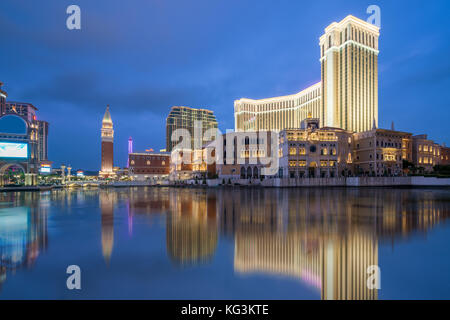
{"x": 13, "y": 150}
{"x": 80, "y": 174}
{"x": 45, "y": 169}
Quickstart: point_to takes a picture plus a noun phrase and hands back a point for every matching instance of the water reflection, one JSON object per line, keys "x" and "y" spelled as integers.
{"x": 323, "y": 238}
{"x": 191, "y": 230}
{"x": 107, "y": 203}
{"x": 23, "y": 232}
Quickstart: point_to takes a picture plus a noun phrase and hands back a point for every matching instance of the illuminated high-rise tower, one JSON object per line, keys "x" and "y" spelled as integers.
{"x": 107, "y": 145}
{"x": 349, "y": 63}
{"x": 347, "y": 95}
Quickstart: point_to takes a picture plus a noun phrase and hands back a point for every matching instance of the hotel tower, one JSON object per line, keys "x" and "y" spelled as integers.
{"x": 107, "y": 145}
{"x": 195, "y": 121}
{"x": 347, "y": 95}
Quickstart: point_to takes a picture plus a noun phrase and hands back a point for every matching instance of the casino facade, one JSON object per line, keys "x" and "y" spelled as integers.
{"x": 19, "y": 140}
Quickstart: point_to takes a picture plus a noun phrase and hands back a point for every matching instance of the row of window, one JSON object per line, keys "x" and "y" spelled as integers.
{"x": 132, "y": 162}
{"x": 303, "y": 163}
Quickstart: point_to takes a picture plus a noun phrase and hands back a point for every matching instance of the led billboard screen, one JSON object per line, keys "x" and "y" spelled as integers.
{"x": 13, "y": 150}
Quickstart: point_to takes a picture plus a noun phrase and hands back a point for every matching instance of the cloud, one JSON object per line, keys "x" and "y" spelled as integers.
{"x": 88, "y": 90}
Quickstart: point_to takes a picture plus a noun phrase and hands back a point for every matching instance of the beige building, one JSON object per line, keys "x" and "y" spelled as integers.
{"x": 315, "y": 152}
{"x": 346, "y": 97}
{"x": 349, "y": 63}
{"x": 379, "y": 152}
{"x": 277, "y": 113}
{"x": 246, "y": 155}
{"x": 426, "y": 153}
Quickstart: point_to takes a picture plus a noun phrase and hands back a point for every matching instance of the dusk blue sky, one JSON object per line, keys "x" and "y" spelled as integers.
{"x": 144, "y": 56}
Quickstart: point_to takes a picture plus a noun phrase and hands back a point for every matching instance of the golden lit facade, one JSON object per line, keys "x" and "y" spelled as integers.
{"x": 349, "y": 67}
{"x": 314, "y": 152}
{"x": 346, "y": 97}
{"x": 277, "y": 113}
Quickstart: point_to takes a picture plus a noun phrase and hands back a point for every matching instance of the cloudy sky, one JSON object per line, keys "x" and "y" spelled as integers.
{"x": 144, "y": 56}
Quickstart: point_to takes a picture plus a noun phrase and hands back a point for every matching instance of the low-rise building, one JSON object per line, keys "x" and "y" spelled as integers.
{"x": 149, "y": 166}
{"x": 426, "y": 153}
{"x": 246, "y": 155}
{"x": 445, "y": 155}
{"x": 314, "y": 152}
{"x": 380, "y": 152}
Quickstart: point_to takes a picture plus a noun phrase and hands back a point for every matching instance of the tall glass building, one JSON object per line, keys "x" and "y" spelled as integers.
{"x": 195, "y": 121}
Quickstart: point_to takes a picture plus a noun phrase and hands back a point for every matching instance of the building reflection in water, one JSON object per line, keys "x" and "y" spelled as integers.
{"x": 191, "y": 228}
{"x": 108, "y": 201}
{"x": 325, "y": 238}
{"x": 23, "y": 231}
{"x": 191, "y": 223}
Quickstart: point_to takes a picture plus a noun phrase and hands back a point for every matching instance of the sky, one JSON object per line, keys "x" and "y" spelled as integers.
{"x": 144, "y": 56}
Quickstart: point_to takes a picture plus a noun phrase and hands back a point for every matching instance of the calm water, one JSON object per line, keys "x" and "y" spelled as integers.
{"x": 166, "y": 243}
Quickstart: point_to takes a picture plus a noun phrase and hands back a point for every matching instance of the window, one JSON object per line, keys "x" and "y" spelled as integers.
{"x": 292, "y": 151}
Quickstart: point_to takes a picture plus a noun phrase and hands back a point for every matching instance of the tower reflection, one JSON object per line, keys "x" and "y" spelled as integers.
{"x": 107, "y": 202}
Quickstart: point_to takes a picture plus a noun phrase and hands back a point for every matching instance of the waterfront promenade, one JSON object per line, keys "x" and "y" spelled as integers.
{"x": 351, "y": 182}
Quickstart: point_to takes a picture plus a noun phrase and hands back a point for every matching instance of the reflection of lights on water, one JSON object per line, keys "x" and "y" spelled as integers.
{"x": 311, "y": 278}
{"x": 13, "y": 234}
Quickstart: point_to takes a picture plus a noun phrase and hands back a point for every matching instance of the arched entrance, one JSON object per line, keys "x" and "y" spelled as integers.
{"x": 312, "y": 169}
{"x": 242, "y": 173}
{"x": 249, "y": 172}
{"x": 255, "y": 173}
{"x": 12, "y": 173}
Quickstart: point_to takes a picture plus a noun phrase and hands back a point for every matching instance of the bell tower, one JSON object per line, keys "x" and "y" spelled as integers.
{"x": 107, "y": 134}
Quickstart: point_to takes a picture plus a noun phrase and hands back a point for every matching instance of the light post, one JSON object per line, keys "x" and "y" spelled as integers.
{"x": 69, "y": 168}
{"x": 63, "y": 174}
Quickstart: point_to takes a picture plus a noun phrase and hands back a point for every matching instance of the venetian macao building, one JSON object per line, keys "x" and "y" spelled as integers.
{"x": 315, "y": 152}
{"x": 246, "y": 155}
{"x": 346, "y": 97}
